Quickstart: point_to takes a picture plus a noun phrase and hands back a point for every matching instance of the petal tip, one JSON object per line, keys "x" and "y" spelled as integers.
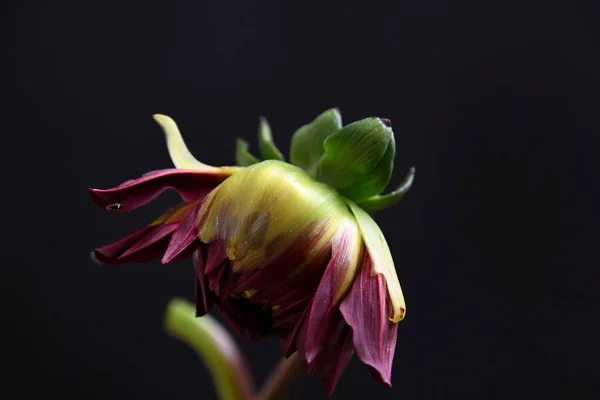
{"x": 95, "y": 258}
{"x": 398, "y": 315}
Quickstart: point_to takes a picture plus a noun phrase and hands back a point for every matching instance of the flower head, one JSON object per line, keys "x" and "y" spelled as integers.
{"x": 283, "y": 249}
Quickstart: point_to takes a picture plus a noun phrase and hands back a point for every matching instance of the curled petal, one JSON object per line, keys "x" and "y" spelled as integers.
{"x": 180, "y": 155}
{"x": 381, "y": 259}
{"x": 132, "y": 194}
{"x": 366, "y": 309}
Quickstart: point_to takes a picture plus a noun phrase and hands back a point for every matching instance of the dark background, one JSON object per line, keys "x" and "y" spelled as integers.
{"x": 496, "y": 106}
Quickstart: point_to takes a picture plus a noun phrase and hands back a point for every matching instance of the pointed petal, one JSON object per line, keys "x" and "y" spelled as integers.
{"x": 366, "y": 309}
{"x": 183, "y": 237}
{"x": 132, "y": 194}
{"x": 142, "y": 246}
{"x": 381, "y": 258}
{"x": 337, "y": 279}
{"x": 180, "y": 155}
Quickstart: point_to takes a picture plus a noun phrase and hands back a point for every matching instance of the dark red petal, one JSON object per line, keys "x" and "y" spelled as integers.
{"x": 245, "y": 315}
{"x": 215, "y": 256}
{"x": 367, "y": 309}
{"x": 183, "y": 237}
{"x": 204, "y": 301}
{"x": 142, "y": 246}
{"x": 337, "y": 352}
{"x": 132, "y": 194}
{"x": 324, "y": 300}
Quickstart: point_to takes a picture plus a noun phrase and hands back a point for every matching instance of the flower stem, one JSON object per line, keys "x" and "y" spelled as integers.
{"x": 279, "y": 380}
{"x": 214, "y": 345}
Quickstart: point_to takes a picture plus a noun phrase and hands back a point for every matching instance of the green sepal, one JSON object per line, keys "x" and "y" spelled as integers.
{"x": 359, "y": 158}
{"x": 267, "y": 147}
{"x": 243, "y": 157}
{"x": 380, "y": 202}
{"x": 307, "y": 142}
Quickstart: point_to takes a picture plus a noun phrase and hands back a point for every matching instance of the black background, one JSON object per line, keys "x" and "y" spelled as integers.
{"x": 495, "y": 105}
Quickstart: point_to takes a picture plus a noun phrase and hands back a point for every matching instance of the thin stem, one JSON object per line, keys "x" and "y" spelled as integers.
{"x": 281, "y": 377}
{"x": 215, "y": 346}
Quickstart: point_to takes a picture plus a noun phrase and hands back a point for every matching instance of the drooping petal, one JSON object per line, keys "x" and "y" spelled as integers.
{"x": 146, "y": 244}
{"x": 366, "y": 309}
{"x": 336, "y": 354}
{"x": 341, "y": 271}
{"x": 183, "y": 237}
{"x": 381, "y": 259}
{"x": 132, "y": 194}
{"x": 142, "y": 246}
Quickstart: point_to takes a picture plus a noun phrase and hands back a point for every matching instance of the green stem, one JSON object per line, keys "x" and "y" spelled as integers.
{"x": 281, "y": 377}
{"x": 215, "y": 346}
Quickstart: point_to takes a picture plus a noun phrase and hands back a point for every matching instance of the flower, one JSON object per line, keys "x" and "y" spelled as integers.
{"x": 282, "y": 249}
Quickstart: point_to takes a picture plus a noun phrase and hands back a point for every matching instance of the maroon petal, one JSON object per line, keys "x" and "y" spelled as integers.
{"x": 183, "y": 237}
{"x": 204, "y": 300}
{"x": 215, "y": 256}
{"x": 191, "y": 186}
{"x": 337, "y": 353}
{"x": 142, "y": 246}
{"x": 338, "y": 273}
{"x": 366, "y": 309}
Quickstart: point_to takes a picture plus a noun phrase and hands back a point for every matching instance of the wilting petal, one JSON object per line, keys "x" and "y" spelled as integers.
{"x": 132, "y": 194}
{"x": 338, "y": 277}
{"x": 366, "y": 309}
{"x": 142, "y": 246}
{"x": 147, "y": 243}
{"x": 183, "y": 237}
{"x": 337, "y": 353}
{"x": 381, "y": 258}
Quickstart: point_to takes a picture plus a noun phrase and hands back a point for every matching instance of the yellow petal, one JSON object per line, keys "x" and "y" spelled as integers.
{"x": 180, "y": 155}
{"x": 381, "y": 258}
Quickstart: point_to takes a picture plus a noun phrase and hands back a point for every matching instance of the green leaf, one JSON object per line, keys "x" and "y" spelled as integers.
{"x": 243, "y": 157}
{"x": 214, "y": 345}
{"x": 267, "y": 147}
{"x": 359, "y": 158}
{"x": 307, "y": 142}
{"x": 380, "y": 202}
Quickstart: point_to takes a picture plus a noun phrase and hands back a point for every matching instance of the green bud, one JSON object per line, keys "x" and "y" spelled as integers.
{"x": 359, "y": 158}
{"x": 307, "y": 142}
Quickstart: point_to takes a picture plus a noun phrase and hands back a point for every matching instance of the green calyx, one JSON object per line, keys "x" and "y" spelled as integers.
{"x": 357, "y": 159}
